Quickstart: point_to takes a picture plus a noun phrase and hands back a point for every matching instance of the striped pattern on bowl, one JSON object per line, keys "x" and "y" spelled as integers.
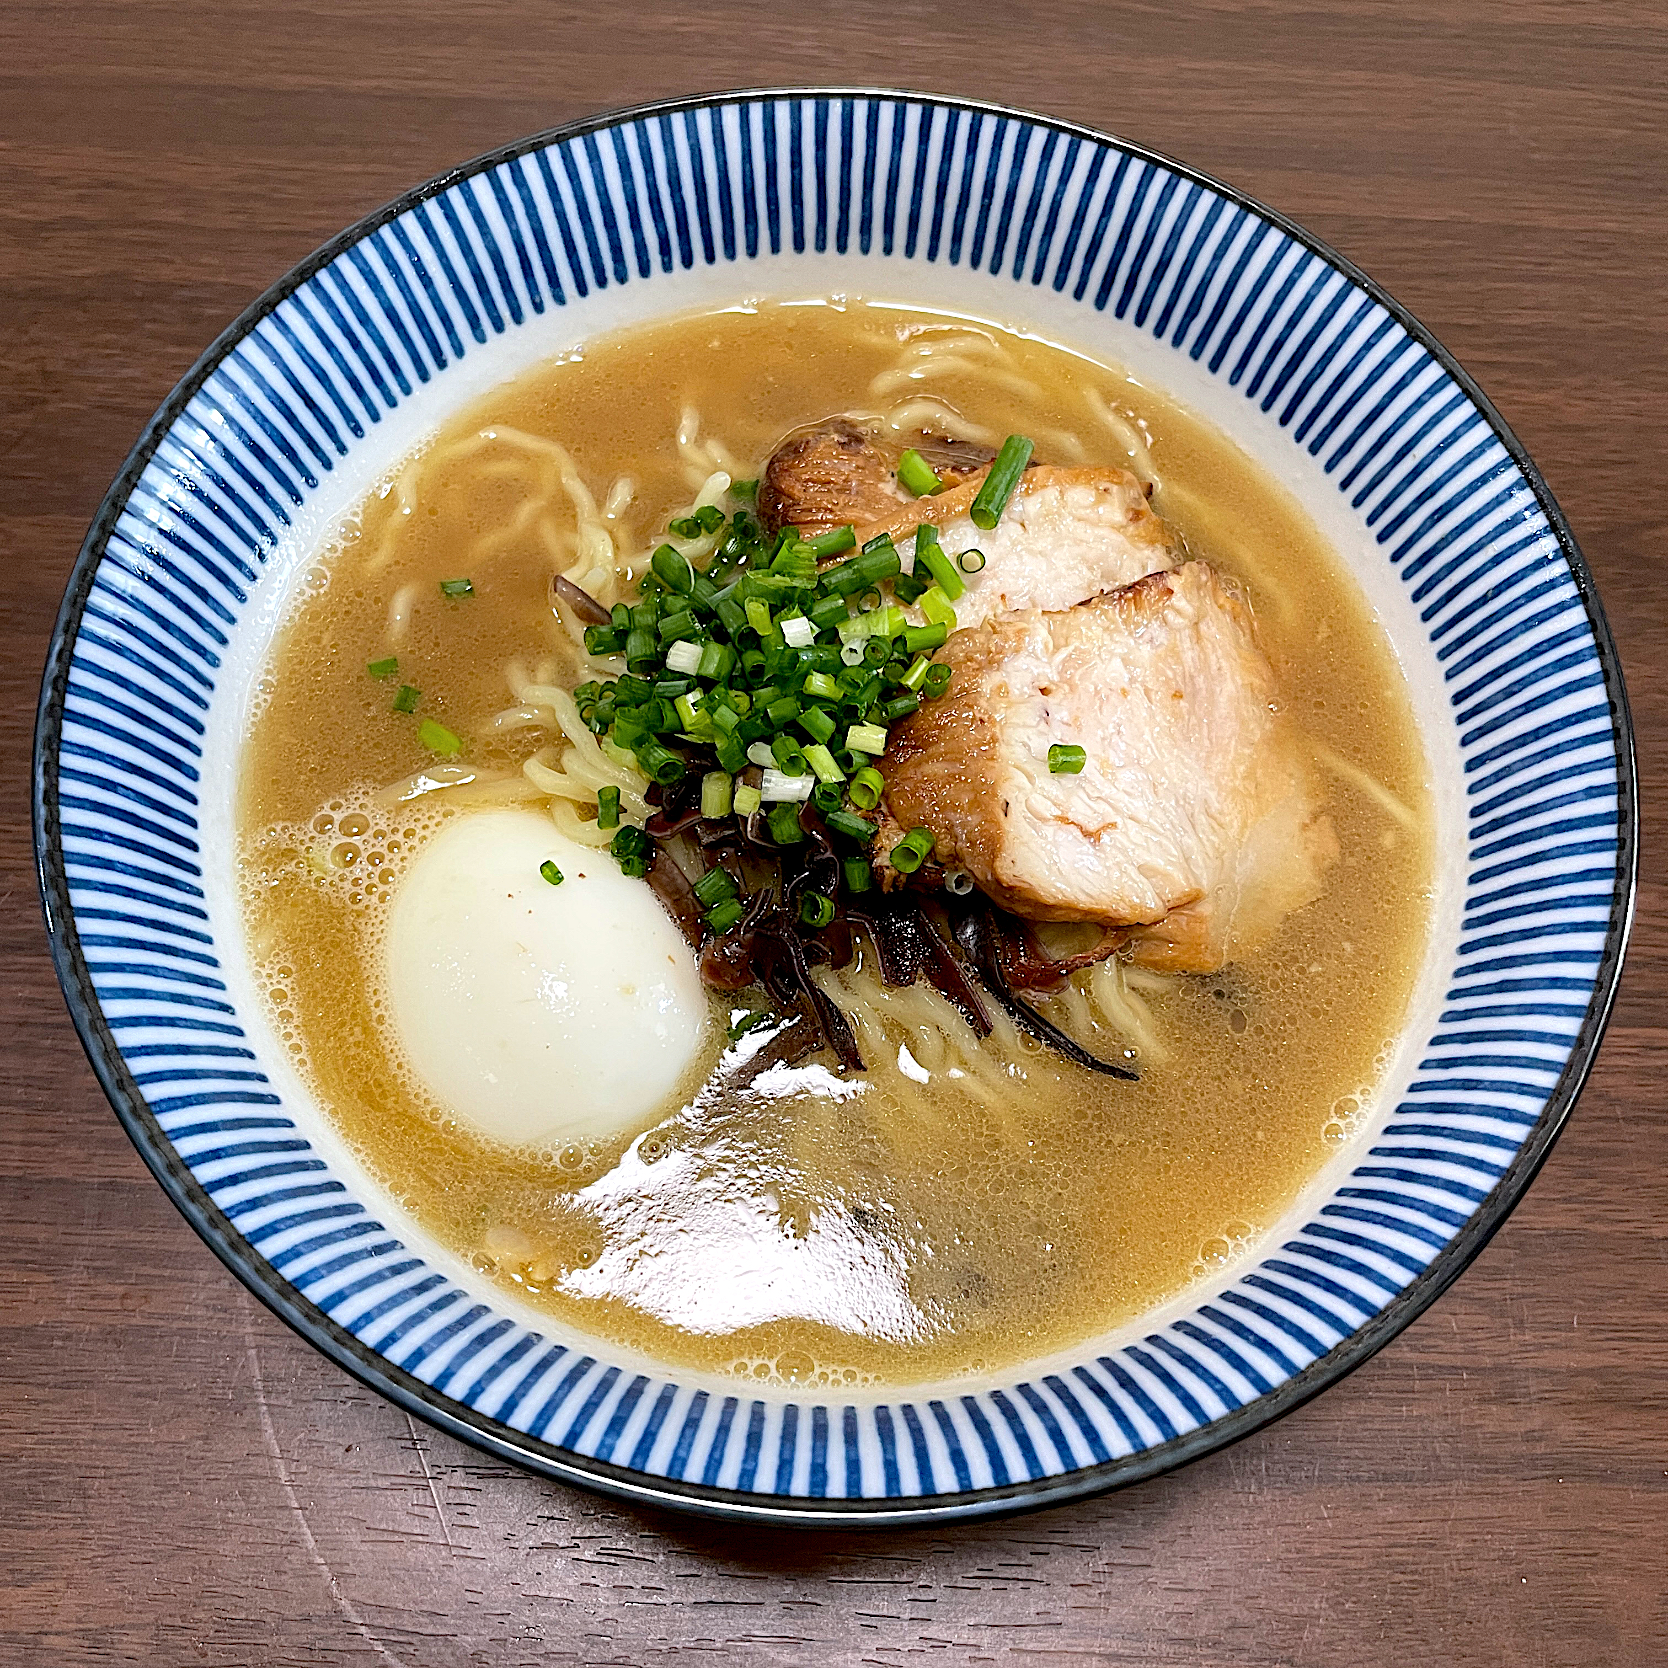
{"x": 174, "y": 565}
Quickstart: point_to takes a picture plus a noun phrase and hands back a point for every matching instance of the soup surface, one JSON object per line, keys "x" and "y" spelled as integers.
{"x": 937, "y": 1214}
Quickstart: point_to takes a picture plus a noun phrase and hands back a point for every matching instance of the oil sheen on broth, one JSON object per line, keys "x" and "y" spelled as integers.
{"x": 816, "y": 1229}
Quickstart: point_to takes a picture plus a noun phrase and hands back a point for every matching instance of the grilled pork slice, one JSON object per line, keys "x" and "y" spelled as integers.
{"x": 835, "y": 473}
{"x": 1067, "y": 534}
{"x": 1195, "y": 820}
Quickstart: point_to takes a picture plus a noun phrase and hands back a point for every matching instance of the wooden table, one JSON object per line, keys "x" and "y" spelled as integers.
{"x": 182, "y": 1481}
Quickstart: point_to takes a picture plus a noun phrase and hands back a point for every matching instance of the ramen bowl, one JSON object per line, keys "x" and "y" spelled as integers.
{"x": 1325, "y": 382}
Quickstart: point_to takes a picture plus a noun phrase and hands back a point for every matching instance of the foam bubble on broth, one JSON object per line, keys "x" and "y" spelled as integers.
{"x": 1022, "y": 1206}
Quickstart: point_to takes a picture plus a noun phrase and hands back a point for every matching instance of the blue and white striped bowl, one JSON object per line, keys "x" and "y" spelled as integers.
{"x": 373, "y": 341}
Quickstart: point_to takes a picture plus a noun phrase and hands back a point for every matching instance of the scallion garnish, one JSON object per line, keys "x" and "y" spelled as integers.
{"x": 1066, "y": 758}
{"x": 866, "y": 788}
{"x": 456, "y": 588}
{"x": 551, "y": 872}
{"x": 726, "y": 915}
{"x": 783, "y": 823}
{"x": 407, "y": 698}
{"x": 929, "y": 554}
{"x": 438, "y": 739}
{"x": 835, "y": 540}
{"x": 816, "y": 910}
{"x": 866, "y": 738}
{"x": 999, "y": 485}
{"x": 384, "y": 668}
{"x": 971, "y": 561}
{"x": 912, "y": 850}
{"x": 608, "y": 807}
{"x": 747, "y": 799}
{"x": 671, "y": 567}
{"x": 858, "y": 874}
{"x": 853, "y": 827}
{"x": 716, "y": 794}
{"x": 749, "y": 1022}
{"x": 916, "y": 475}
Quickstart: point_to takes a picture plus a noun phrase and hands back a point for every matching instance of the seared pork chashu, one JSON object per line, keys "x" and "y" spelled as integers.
{"x": 1195, "y": 822}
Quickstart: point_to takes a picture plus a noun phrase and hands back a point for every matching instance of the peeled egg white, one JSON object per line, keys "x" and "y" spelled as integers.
{"x": 538, "y": 1014}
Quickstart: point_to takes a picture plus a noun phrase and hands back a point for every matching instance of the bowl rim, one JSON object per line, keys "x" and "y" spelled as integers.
{"x": 414, "y": 1396}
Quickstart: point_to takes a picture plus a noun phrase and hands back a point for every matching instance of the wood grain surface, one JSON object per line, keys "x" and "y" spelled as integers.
{"x": 182, "y": 1481}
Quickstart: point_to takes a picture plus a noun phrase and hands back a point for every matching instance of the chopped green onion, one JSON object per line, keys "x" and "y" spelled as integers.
{"x": 900, "y": 706}
{"x": 709, "y": 518}
{"x": 671, "y": 567}
{"x": 866, "y": 788}
{"x": 726, "y": 915}
{"x": 744, "y": 489}
{"x": 603, "y": 640}
{"x": 873, "y": 622}
{"x": 714, "y": 887}
{"x": 660, "y": 764}
{"x": 779, "y": 786}
{"x": 758, "y": 615}
{"x": 641, "y": 651}
{"x": 826, "y": 797}
{"x": 783, "y": 822}
{"x": 999, "y": 485}
{"x": 912, "y": 850}
{"x": 551, "y": 872}
{"x": 608, "y": 807}
{"x": 834, "y": 541}
{"x": 716, "y": 660}
{"x": 917, "y": 476}
{"x": 689, "y": 713}
{"x": 854, "y": 828}
{"x": 684, "y": 656}
{"x": 819, "y": 683}
{"x": 731, "y": 754}
{"x": 866, "y": 738}
{"x": 783, "y": 710}
{"x": 716, "y": 794}
{"x": 913, "y": 679}
{"x": 907, "y": 587}
{"x": 760, "y": 753}
{"x": 384, "y": 668}
{"x": 822, "y": 762}
{"x": 935, "y": 604}
{"x": 816, "y": 723}
{"x": 929, "y": 554}
{"x": 747, "y": 799}
{"x": 828, "y": 611}
{"x": 633, "y": 851}
{"x": 684, "y": 527}
{"x": 456, "y": 588}
{"x": 816, "y": 910}
{"x": 407, "y": 698}
{"x": 938, "y": 679}
{"x": 971, "y": 561}
{"x": 927, "y": 637}
{"x": 1066, "y": 758}
{"x": 858, "y": 874}
{"x": 851, "y": 654}
{"x": 438, "y": 739}
{"x": 798, "y": 630}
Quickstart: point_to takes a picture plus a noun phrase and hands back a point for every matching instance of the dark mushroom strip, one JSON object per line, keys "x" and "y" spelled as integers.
{"x": 787, "y": 975}
{"x": 664, "y": 824}
{"x": 1027, "y": 965}
{"x": 788, "y": 1047}
{"x": 672, "y": 886}
{"x": 979, "y": 935}
{"x": 581, "y": 602}
{"x": 896, "y": 947}
{"x": 945, "y": 973}
{"x": 727, "y": 959}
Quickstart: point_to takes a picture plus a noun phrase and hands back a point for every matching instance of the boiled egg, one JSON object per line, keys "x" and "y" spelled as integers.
{"x": 538, "y": 1014}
